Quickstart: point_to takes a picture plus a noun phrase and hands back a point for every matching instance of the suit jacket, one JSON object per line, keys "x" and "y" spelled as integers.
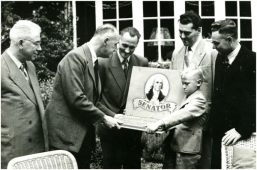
{"x": 189, "y": 121}
{"x": 234, "y": 99}
{"x": 204, "y": 58}
{"x": 115, "y": 85}
{"x": 74, "y": 106}
{"x": 23, "y": 126}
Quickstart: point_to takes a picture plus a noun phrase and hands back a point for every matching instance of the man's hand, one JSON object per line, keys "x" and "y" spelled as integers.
{"x": 151, "y": 128}
{"x": 111, "y": 122}
{"x": 231, "y": 137}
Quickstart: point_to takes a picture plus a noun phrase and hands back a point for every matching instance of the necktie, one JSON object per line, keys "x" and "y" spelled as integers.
{"x": 125, "y": 68}
{"x": 22, "y": 68}
{"x": 96, "y": 73}
{"x": 186, "y": 56}
{"x": 225, "y": 66}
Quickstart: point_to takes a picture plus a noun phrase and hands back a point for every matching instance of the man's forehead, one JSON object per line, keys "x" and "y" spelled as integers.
{"x": 186, "y": 27}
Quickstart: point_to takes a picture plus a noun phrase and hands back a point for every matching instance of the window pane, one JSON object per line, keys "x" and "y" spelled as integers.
{"x": 124, "y": 24}
{"x": 192, "y": 5}
{"x": 245, "y": 8}
{"x": 231, "y": 8}
{"x": 110, "y": 22}
{"x": 109, "y": 10}
{"x": 206, "y": 28}
{"x": 207, "y": 8}
{"x": 167, "y": 51}
{"x": 150, "y": 8}
{"x": 151, "y": 51}
{"x": 125, "y": 9}
{"x": 246, "y": 28}
{"x": 149, "y": 26}
{"x": 168, "y": 23}
{"x": 167, "y": 8}
{"x": 247, "y": 44}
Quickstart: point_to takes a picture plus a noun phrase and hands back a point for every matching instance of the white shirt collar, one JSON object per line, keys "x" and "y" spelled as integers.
{"x": 233, "y": 54}
{"x": 92, "y": 51}
{"x": 121, "y": 58}
{"x": 16, "y": 61}
{"x": 196, "y": 44}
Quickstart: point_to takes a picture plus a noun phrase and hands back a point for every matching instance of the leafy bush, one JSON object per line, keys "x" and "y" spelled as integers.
{"x": 46, "y": 87}
{"x": 56, "y": 23}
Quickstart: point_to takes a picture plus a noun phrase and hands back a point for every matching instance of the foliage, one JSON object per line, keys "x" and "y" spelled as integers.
{"x": 46, "y": 87}
{"x": 56, "y": 36}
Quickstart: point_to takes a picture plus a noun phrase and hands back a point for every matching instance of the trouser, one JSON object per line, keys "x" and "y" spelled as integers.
{"x": 216, "y": 153}
{"x": 124, "y": 154}
{"x": 83, "y": 157}
{"x": 176, "y": 160}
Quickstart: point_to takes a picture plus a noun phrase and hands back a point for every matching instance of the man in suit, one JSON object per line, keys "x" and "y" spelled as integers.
{"x": 74, "y": 109}
{"x": 23, "y": 127}
{"x": 184, "y": 144}
{"x": 121, "y": 149}
{"x": 233, "y": 114}
{"x": 197, "y": 52}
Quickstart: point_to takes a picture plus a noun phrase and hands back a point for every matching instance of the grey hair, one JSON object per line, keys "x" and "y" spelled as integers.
{"x": 23, "y": 29}
{"x": 104, "y": 29}
{"x": 154, "y": 82}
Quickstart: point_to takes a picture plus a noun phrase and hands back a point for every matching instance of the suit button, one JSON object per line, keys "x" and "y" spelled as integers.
{"x": 217, "y": 89}
{"x": 30, "y": 122}
{"x": 30, "y": 140}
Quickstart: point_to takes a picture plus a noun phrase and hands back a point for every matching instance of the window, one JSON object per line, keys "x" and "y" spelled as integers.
{"x": 240, "y": 13}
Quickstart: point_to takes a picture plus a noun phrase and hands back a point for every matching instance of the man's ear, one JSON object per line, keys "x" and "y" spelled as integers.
{"x": 106, "y": 39}
{"x": 199, "y": 82}
{"x": 20, "y": 44}
{"x": 199, "y": 29}
{"x": 230, "y": 39}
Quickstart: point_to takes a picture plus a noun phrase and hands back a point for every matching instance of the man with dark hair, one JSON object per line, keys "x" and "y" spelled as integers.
{"x": 233, "y": 114}
{"x": 196, "y": 52}
{"x": 121, "y": 148}
{"x": 74, "y": 109}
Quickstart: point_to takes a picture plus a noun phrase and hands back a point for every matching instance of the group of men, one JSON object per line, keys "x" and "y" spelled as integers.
{"x": 90, "y": 92}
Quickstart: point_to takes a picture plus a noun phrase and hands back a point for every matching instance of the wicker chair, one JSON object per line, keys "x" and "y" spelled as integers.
{"x": 58, "y": 159}
{"x": 227, "y": 151}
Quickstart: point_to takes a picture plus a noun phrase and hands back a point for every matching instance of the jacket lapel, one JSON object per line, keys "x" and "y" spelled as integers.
{"x": 19, "y": 79}
{"x": 89, "y": 60}
{"x": 117, "y": 71}
{"x": 235, "y": 66}
{"x": 180, "y": 58}
{"x": 132, "y": 62}
{"x": 199, "y": 53}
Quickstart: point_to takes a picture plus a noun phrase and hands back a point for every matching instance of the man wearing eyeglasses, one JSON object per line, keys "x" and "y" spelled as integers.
{"x": 23, "y": 127}
{"x": 121, "y": 148}
{"x": 233, "y": 114}
{"x": 196, "y": 52}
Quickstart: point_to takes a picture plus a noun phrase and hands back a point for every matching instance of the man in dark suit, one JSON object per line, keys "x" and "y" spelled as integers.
{"x": 74, "y": 109}
{"x": 23, "y": 127}
{"x": 121, "y": 149}
{"x": 234, "y": 100}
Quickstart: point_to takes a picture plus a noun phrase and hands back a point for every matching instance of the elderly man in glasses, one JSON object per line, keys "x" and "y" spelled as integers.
{"x": 233, "y": 114}
{"x": 23, "y": 128}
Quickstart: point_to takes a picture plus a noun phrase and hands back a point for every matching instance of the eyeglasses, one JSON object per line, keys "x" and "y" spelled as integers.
{"x": 37, "y": 43}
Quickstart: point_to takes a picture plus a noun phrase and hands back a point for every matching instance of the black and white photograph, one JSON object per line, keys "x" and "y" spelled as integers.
{"x": 128, "y": 84}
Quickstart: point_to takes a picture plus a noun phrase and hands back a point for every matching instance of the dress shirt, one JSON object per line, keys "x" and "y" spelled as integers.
{"x": 121, "y": 59}
{"x": 233, "y": 54}
{"x": 92, "y": 51}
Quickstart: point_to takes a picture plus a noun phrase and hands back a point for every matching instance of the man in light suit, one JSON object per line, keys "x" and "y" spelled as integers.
{"x": 197, "y": 52}
{"x": 233, "y": 114}
{"x": 23, "y": 127}
{"x": 74, "y": 109}
{"x": 121, "y": 149}
{"x": 184, "y": 145}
